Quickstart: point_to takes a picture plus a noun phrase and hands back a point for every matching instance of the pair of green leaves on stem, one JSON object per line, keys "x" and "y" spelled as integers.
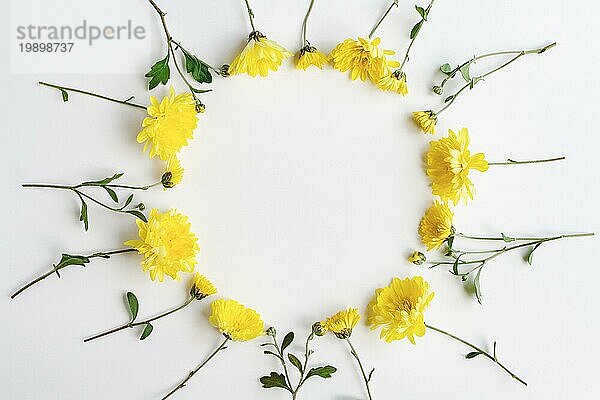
{"x": 279, "y": 380}
{"x": 465, "y": 72}
{"x": 160, "y": 72}
{"x": 134, "y": 307}
{"x": 424, "y": 13}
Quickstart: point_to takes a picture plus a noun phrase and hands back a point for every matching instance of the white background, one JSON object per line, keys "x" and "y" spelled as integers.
{"x": 306, "y": 190}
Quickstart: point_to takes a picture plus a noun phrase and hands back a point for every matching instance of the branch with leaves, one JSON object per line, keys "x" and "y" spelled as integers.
{"x": 284, "y": 380}
{"x": 199, "y": 70}
{"x": 111, "y": 188}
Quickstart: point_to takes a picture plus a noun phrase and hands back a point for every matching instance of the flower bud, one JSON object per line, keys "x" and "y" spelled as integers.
{"x": 166, "y": 180}
{"x": 224, "y": 70}
{"x": 318, "y": 329}
{"x": 417, "y": 258}
{"x": 438, "y": 90}
{"x": 141, "y": 206}
{"x": 271, "y": 331}
{"x": 200, "y": 108}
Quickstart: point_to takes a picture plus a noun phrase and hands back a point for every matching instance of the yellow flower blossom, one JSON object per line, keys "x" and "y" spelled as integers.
{"x": 308, "y": 56}
{"x": 363, "y": 58}
{"x": 259, "y": 56}
{"x": 202, "y": 287}
{"x": 399, "y": 308}
{"x": 173, "y": 174}
{"x": 436, "y": 225}
{"x": 235, "y": 321}
{"x": 394, "y": 82}
{"x": 167, "y": 244}
{"x": 448, "y": 164}
{"x": 342, "y": 323}
{"x": 170, "y": 124}
{"x": 426, "y": 121}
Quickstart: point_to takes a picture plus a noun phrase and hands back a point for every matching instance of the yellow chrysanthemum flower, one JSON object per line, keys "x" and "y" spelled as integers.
{"x": 167, "y": 244}
{"x": 417, "y": 258}
{"x": 363, "y": 58}
{"x": 259, "y": 56}
{"x": 394, "y": 82}
{"x": 170, "y": 124}
{"x": 173, "y": 174}
{"x": 426, "y": 120}
{"x": 202, "y": 287}
{"x": 342, "y": 323}
{"x": 308, "y": 56}
{"x": 399, "y": 308}
{"x": 448, "y": 164}
{"x": 436, "y": 225}
{"x": 235, "y": 321}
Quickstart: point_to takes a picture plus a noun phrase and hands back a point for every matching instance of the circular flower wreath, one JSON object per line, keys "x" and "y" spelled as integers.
{"x": 169, "y": 247}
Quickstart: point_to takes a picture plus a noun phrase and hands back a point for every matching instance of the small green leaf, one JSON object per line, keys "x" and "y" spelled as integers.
{"x": 447, "y": 99}
{"x": 473, "y": 354}
{"x": 507, "y": 239}
{"x": 323, "y": 372}
{"x": 295, "y": 362}
{"x": 474, "y": 82}
{"x": 111, "y": 193}
{"x": 138, "y": 214}
{"x": 464, "y": 71}
{"x": 450, "y": 242}
{"x": 197, "y": 68}
{"x": 200, "y": 91}
{"x": 421, "y": 12}
{"x": 159, "y": 73}
{"x": 274, "y": 380}
{"x": 287, "y": 340}
{"x": 415, "y": 30}
{"x": 147, "y": 331}
{"x": 128, "y": 201}
{"x": 477, "y": 285}
{"x": 83, "y": 216}
{"x": 529, "y": 257}
{"x": 446, "y": 68}
{"x": 134, "y": 305}
{"x": 455, "y": 265}
{"x": 65, "y": 95}
{"x": 104, "y": 181}
{"x": 272, "y": 354}
{"x": 67, "y": 259}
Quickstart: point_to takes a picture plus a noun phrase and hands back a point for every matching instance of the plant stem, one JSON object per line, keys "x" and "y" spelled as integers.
{"x": 69, "y": 89}
{"x": 394, "y": 3}
{"x": 282, "y": 359}
{"x": 171, "y": 51}
{"x": 479, "y": 350}
{"x": 306, "y": 357}
{"x": 473, "y": 81}
{"x": 105, "y": 254}
{"x": 132, "y": 324}
{"x": 250, "y": 15}
{"x": 182, "y": 384}
{"x": 414, "y": 38}
{"x": 512, "y": 162}
{"x": 500, "y": 238}
{"x": 362, "y": 370}
{"x": 88, "y": 184}
{"x": 304, "y": 23}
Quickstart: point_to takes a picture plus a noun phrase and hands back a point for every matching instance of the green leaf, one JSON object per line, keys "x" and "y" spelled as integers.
{"x": 197, "y": 68}
{"x": 272, "y": 354}
{"x": 200, "y": 91}
{"x": 65, "y": 95}
{"x": 287, "y": 340}
{"x": 415, "y": 30}
{"x": 421, "y": 12}
{"x": 128, "y": 201}
{"x": 507, "y": 239}
{"x": 274, "y": 380}
{"x": 474, "y": 82}
{"x": 477, "y": 285}
{"x": 147, "y": 331}
{"x": 104, "y": 181}
{"x": 450, "y": 242}
{"x": 455, "y": 265}
{"x": 296, "y": 362}
{"x": 83, "y": 216}
{"x": 473, "y": 354}
{"x": 446, "y": 68}
{"x": 134, "y": 305}
{"x": 323, "y": 372}
{"x": 529, "y": 257}
{"x": 111, "y": 193}
{"x": 447, "y": 99}
{"x": 68, "y": 259}
{"x": 464, "y": 71}
{"x": 159, "y": 73}
{"x": 138, "y": 214}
